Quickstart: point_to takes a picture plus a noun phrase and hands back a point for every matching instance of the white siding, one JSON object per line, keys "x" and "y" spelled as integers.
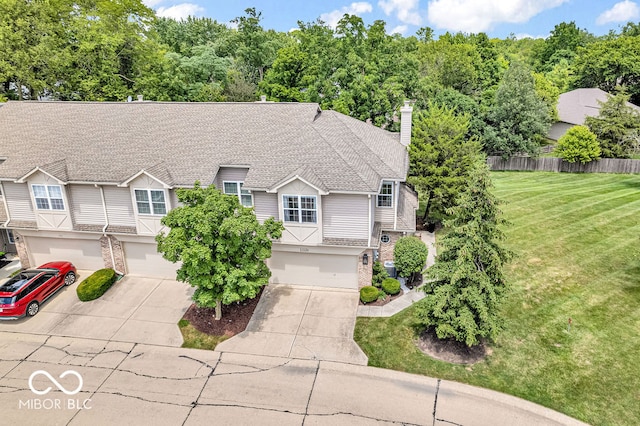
{"x": 86, "y": 204}
{"x": 384, "y": 215}
{"x": 265, "y": 205}
{"x": 173, "y": 199}
{"x": 119, "y": 206}
{"x": 233, "y": 174}
{"x": 19, "y": 201}
{"x": 345, "y": 216}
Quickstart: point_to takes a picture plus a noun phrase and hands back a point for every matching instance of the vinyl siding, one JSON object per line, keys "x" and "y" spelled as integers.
{"x": 119, "y": 206}
{"x": 384, "y": 215}
{"x": 345, "y": 216}
{"x": 19, "y": 201}
{"x": 232, "y": 174}
{"x": 86, "y": 204}
{"x": 265, "y": 205}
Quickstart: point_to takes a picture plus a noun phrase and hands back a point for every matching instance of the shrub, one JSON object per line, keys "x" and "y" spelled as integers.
{"x": 96, "y": 284}
{"x": 391, "y": 286}
{"x": 410, "y": 256}
{"x": 369, "y": 294}
{"x": 578, "y": 144}
{"x": 379, "y": 274}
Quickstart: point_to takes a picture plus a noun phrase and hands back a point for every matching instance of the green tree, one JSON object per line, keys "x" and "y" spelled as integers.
{"x": 578, "y": 144}
{"x": 440, "y": 157}
{"x": 221, "y": 245}
{"x": 466, "y": 286}
{"x": 609, "y": 63}
{"x": 563, "y": 43}
{"x": 379, "y": 274}
{"x": 410, "y": 257}
{"x": 616, "y": 126}
{"x": 518, "y": 118}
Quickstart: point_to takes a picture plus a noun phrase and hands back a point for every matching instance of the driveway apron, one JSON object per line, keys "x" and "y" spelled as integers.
{"x": 302, "y": 322}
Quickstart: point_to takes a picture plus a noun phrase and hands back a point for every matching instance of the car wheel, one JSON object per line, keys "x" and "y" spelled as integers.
{"x": 33, "y": 309}
{"x": 70, "y": 278}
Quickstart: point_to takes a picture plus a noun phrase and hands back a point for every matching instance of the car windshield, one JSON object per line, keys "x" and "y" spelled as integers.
{"x": 6, "y": 300}
{"x": 15, "y": 283}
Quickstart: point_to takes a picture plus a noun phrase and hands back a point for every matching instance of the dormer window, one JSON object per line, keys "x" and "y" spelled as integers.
{"x": 235, "y": 188}
{"x": 385, "y": 196}
{"x": 48, "y": 197}
{"x": 151, "y": 201}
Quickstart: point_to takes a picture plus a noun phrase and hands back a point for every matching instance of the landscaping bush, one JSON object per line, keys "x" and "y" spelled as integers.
{"x": 96, "y": 284}
{"x": 410, "y": 257}
{"x": 369, "y": 294}
{"x": 379, "y": 274}
{"x": 391, "y": 286}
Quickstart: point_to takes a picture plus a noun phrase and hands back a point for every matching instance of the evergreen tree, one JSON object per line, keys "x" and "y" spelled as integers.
{"x": 578, "y": 144}
{"x": 617, "y": 127}
{"x": 518, "y": 118}
{"x": 466, "y": 286}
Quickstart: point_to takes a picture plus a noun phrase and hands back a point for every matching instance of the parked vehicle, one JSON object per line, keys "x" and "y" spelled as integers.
{"x": 23, "y": 294}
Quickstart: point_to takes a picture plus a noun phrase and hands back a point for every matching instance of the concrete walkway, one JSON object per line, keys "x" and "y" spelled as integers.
{"x": 409, "y": 297}
{"x": 137, "y": 384}
{"x": 303, "y": 323}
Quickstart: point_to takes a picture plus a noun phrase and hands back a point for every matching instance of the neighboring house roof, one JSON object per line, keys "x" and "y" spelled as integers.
{"x": 179, "y": 143}
{"x": 575, "y": 106}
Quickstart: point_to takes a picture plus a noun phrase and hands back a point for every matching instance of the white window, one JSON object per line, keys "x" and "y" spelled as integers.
{"x": 10, "y": 236}
{"x": 48, "y": 197}
{"x": 235, "y": 188}
{"x": 300, "y": 208}
{"x": 385, "y": 197}
{"x": 151, "y": 201}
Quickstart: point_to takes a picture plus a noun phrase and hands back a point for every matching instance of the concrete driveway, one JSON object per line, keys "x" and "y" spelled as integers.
{"x": 302, "y": 322}
{"x": 135, "y": 309}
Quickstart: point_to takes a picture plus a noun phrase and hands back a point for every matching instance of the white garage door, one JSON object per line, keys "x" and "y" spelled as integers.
{"x": 84, "y": 254}
{"x": 326, "y": 270}
{"x": 143, "y": 259}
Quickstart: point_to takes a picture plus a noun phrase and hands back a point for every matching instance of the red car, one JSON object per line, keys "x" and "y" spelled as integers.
{"x": 24, "y": 293}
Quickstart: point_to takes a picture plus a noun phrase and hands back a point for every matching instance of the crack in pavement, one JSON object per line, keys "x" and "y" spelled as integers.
{"x": 435, "y": 402}
{"x": 195, "y": 403}
{"x": 313, "y": 385}
{"x": 451, "y": 423}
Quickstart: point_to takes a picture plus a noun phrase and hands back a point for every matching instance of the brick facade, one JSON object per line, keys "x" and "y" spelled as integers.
{"x": 386, "y": 249}
{"x": 21, "y": 249}
{"x": 118, "y": 253}
{"x": 365, "y": 272}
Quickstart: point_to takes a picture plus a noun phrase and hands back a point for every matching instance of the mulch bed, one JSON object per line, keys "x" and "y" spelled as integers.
{"x": 384, "y": 301}
{"x": 450, "y": 350}
{"x": 235, "y": 318}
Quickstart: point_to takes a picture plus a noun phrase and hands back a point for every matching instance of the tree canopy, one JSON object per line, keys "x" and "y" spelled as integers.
{"x": 221, "y": 246}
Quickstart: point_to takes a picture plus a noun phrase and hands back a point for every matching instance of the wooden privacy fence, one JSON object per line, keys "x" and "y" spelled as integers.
{"x": 550, "y": 164}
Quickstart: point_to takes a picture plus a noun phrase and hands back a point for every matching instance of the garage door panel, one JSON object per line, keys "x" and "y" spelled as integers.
{"x": 313, "y": 269}
{"x": 143, "y": 259}
{"x": 84, "y": 254}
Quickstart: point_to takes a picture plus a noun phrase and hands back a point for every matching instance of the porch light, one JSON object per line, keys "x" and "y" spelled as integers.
{"x": 365, "y": 259}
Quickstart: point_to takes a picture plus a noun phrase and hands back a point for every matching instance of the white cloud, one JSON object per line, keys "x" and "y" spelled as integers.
{"x": 521, "y": 36}
{"x": 357, "y": 8}
{"x": 481, "y": 15}
{"x": 151, "y": 3}
{"x": 623, "y": 11}
{"x": 406, "y": 10}
{"x": 400, "y": 29}
{"x": 180, "y": 11}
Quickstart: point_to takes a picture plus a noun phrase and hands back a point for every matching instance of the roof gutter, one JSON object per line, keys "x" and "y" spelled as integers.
{"x": 104, "y": 229}
{"x": 6, "y": 207}
{"x": 369, "y": 227}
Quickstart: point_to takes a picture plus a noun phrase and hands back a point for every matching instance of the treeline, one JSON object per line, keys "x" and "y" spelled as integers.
{"x": 109, "y": 50}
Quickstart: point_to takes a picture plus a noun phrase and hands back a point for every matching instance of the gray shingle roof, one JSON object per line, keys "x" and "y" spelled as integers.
{"x": 575, "y": 106}
{"x": 180, "y": 143}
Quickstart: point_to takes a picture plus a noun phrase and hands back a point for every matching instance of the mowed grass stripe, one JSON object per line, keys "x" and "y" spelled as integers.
{"x": 576, "y": 237}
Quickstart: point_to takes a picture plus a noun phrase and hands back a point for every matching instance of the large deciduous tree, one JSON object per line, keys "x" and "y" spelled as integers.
{"x": 221, "y": 245}
{"x": 441, "y": 155}
{"x": 465, "y": 288}
{"x": 518, "y": 118}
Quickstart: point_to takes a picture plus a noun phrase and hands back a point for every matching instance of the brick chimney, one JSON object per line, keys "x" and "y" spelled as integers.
{"x": 405, "y": 123}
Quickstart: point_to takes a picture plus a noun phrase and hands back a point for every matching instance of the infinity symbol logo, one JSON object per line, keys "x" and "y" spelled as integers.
{"x": 55, "y": 382}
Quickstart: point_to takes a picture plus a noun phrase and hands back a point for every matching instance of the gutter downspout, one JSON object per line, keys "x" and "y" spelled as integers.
{"x": 395, "y": 210}
{"x": 6, "y": 207}
{"x": 370, "y": 227}
{"x": 104, "y": 229}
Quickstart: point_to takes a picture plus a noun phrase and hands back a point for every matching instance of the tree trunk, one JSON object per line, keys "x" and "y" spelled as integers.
{"x": 218, "y": 310}
{"x": 427, "y": 207}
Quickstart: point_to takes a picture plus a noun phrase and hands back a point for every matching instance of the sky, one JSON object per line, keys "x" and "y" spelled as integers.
{"x": 497, "y": 18}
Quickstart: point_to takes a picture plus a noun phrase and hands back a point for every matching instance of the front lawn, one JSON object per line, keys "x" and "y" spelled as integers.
{"x": 577, "y": 240}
